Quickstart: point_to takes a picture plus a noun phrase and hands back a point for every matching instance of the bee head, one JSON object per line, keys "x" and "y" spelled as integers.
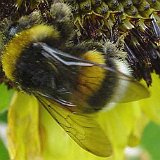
{"x": 21, "y": 45}
{"x": 52, "y": 27}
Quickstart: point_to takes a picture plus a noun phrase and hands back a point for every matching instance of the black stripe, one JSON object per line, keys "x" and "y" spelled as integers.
{"x": 99, "y": 99}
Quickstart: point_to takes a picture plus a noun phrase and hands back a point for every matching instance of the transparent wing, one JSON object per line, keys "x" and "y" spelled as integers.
{"x": 129, "y": 90}
{"x": 83, "y": 129}
{"x": 85, "y": 92}
{"x": 126, "y": 89}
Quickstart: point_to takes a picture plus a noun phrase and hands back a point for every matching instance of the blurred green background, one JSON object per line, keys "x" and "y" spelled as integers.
{"x": 5, "y": 98}
{"x": 150, "y": 142}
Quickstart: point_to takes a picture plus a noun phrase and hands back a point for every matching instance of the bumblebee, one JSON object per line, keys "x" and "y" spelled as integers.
{"x": 71, "y": 81}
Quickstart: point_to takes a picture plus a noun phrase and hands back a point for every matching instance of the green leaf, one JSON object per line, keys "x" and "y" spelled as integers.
{"x": 3, "y": 116}
{"x": 3, "y": 152}
{"x": 5, "y": 97}
{"x": 150, "y": 140}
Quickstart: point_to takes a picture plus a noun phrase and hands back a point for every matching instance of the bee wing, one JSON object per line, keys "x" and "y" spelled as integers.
{"x": 83, "y": 129}
{"x": 129, "y": 90}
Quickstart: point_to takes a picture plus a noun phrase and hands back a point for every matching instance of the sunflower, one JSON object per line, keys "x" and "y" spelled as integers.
{"x": 133, "y": 27}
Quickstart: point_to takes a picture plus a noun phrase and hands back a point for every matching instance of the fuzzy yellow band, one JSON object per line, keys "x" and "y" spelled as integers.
{"x": 15, "y": 47}
{"x": 91, "y": 78}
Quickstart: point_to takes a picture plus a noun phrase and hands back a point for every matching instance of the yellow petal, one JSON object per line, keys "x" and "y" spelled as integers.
{"x": 151, "y": 106}
{"x": 23, "y": 128}
{"x": 120, "y": 123}
{"x": 57, "y": 144}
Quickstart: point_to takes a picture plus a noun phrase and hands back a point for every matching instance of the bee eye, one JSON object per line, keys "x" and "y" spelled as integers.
{"x": 13, "y": 29}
